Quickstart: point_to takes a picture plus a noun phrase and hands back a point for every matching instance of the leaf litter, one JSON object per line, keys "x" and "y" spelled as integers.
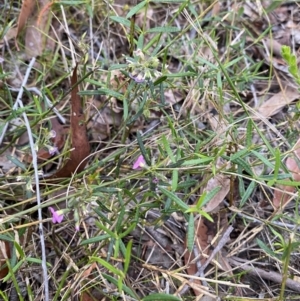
{"x": 159, "y": 235}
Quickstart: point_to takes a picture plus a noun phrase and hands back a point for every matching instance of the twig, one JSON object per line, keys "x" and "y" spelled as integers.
{"x": 270, "y": 275}
{"x": 36, "y": 175}
{"x": 219, "y": 246}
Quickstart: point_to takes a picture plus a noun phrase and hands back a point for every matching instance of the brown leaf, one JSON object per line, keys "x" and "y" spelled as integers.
{"x": 26, "y": 10}
{"x": 219, "y": 180}
{"x": 79, "y": 139}
{"x": 37, "y": 33}
{"x": 280, "y": 196}
{"x": 278, "y": 101}
{"x": 4, "y": 255}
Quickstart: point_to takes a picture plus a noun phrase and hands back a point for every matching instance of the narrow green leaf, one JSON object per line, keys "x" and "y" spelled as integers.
{"x": 209, "y": 195}
{"x": 160, "y": 80}
{"x": 128, "y": 230}
{"x": 249, "y": 133}
{"x": 263, "y": 159}
{"x": 124, "y": 21}
{"x": 276, "y": 168}
{"x": 191, "y": 232}
{"x": 287, "y": 183}
{"x": 107, "y": 265}
{"x": 163, "y": 29}
{"x": 127, "y": 256}
{"x": 19, "y": 249}
{"x": 135, "y": 9}
{"x": 125, "y": 288}
{"x": 206, "y": 215}
{"x": 16, "y": 162}
{"x": 265, "y": 248}
{"x": 102, "y": 227}
{"x": 241, "y": 186}
{"x": 115, "y": 67}
{"x": 174, "y": 179}
{"x": 277, "y": 163}
{"x": 168, "y": 148}
{"x": 239, "y": 154}
{"x": 142, "y": 148}
{"x": 95, "y": 239}
{"x": 247, "y": 193}
{"x": 104, "y": 91}
{"x": 125, "y": 109}
{"x": 174, "y": 198}
{"x": 197, "y": 161}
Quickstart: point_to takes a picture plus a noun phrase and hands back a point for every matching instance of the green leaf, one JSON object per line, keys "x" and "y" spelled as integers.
{"x": 249, "y": 133}
{"x": 265, "y": 248}
{"x": 16, "y": 162}
{"x": 160, "y": 297}
{"x": 142, "y": 148}
{"x": 209, "y": 195}
{"x": 168, "y": 148}
{"x": 174, "y": 198}
{"x": 95, "y": 239}
{"x": 191, "y": 232}
{"x": 194, "y": 162}
{"x": 174, "y": 179}
{"x": 163, "y": 29}
{"x": 247, "y": 193}
{"x": 107, "y": 265}
{"x": 124, "y": 21}
{"x": 239, "y": 154}
{"x": 263, "y": 159}
{"x": 160, "y": 80}
{"x": 127, "y": 256}
{"x": 125, "y": 288}
{"x": 136, "y": 8}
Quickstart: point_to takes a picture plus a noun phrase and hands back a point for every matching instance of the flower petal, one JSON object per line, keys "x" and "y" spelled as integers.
{"x": 139, "y": 163}
{"x": 56, "y": 217}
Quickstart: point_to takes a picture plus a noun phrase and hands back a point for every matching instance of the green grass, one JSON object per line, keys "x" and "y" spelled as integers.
{"x": 172, "y": 84}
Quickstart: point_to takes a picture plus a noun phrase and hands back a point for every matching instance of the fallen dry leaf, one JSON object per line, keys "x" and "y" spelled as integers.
{"x": 221, "y": 181}
{"x": 4, "y": 255}
{"x": 37, "y": 32}
{"x": 79, "y": 139}
{"x": 26, "y": 11}
{"x": 278, "y": 101}
{"x": 281, "y": 197}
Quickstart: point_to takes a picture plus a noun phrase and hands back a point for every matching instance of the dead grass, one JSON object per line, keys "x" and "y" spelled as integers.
{"x": 202, "y": 92}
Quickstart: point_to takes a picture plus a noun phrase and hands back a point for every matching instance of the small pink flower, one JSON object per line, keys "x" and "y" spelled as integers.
{"x": 53, "y": 150}
{"x": 77, "y": 227}
{"x": 57, "y": 216}
{"x": 139, "y": 163}
{"x": 138, "y": 79}
{"x": 52, "y": 134}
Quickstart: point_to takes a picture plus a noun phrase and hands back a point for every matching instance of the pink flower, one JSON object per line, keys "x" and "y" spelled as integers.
{"x": 139, "y": 163}
{"x": 138, "y": 79}
{"x": 57, "y": 216}
{"x": 53, "y": 150}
